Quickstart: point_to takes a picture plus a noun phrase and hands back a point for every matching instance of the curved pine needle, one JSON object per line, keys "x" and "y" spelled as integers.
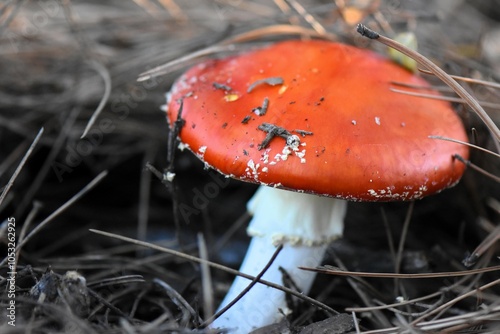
{"x": 469, "y": 164}
{"x": 103, "y": 71}
{"x": 438, "y": 72}
{"x": 20, "y": 166}
{"x": 54, "y": 214}
{"x": 216, "y": 266}
{"x": 330, "y": 270}
{"x": 465, "y": 143}
{"x": 228, "y": 46}
{"x": 183, "y": 61}
{"x": 445, "y": 98}
{"x": 277, "y": 30}
{"x": 466, "y": 79}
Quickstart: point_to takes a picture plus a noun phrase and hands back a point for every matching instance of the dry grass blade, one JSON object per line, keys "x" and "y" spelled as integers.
{"x": 277, "y": 30}
{"x": 20, "y": 166}
{"x": 438, "y": 72}
{"x": 214, "y": 265}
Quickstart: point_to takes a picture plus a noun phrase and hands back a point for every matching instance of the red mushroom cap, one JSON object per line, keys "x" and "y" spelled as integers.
{"x": 358, "y": 140}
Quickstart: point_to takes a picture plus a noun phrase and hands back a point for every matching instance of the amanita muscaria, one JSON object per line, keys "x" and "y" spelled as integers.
{"x": 319, "y": 120}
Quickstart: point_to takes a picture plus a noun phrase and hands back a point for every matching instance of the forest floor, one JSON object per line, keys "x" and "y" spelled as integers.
{"x": 64, "y": 63}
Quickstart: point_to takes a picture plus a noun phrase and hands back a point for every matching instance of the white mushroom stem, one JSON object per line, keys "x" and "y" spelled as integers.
{"x": 304, "y": 224}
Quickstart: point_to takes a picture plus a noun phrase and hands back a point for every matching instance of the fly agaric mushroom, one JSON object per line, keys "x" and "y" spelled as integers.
{"x": 314, "y": 118}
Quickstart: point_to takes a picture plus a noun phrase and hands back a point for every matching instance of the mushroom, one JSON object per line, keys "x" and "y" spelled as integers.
{"x": 332, "y": 131}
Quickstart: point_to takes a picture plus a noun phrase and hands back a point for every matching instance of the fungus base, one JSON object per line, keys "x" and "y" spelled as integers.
{"x": 305, "y": 224}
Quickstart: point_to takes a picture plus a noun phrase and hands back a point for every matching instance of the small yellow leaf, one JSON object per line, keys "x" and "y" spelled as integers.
{"x": 409, "y": 40}
{"x": 352, "y": 15}
{"x": 231, "y": 97}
